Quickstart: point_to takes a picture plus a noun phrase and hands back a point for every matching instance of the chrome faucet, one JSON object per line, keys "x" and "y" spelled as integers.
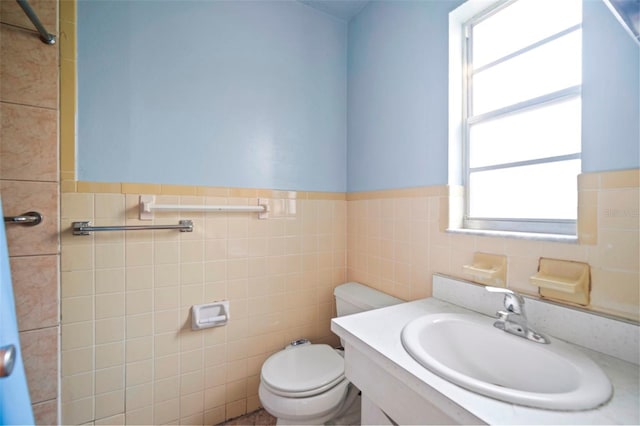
{"x": 513, "y": 319}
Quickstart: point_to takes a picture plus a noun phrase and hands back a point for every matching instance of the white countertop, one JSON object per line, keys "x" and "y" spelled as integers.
{"x": 377, "y": 334}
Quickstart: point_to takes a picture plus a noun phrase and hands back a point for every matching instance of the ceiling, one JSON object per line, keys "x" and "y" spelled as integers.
{"x": 343, "y": 9}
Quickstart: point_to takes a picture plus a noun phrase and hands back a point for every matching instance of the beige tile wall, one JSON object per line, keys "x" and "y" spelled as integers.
{"x": 129, "y": 356}
{"x": 29, "y": 182}
{"x": 128, "y": 353}
{"x": 396, "y": 241}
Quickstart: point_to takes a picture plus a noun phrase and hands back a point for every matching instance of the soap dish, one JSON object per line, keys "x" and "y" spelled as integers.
{"x": 488, "y": 269}
{"x": 563, "y": 280}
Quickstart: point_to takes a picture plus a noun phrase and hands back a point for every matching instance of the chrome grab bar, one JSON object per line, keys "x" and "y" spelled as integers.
{"x": 26, "y": 219}
{"x": 85, "y": 228}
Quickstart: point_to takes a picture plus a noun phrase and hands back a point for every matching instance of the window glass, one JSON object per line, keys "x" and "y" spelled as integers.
{"x": 539, "y": 191}
{"x": 522, "y": 124}
{"x": 545, "y": 69}
{"x": 521, "y": 24}
{"x": 544, "y": 131}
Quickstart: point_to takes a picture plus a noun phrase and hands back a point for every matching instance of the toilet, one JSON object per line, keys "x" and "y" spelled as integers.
{"x": 305, "y": 383}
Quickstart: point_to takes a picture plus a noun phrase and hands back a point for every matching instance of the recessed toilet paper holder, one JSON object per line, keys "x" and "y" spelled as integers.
{"x": 209, "y": 315}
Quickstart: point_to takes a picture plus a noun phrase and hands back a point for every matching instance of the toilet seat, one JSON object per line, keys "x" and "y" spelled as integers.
{"x": 303, "y": 371}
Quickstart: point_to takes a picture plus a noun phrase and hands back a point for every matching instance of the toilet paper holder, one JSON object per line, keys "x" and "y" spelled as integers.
{"x": 209, "y": 315}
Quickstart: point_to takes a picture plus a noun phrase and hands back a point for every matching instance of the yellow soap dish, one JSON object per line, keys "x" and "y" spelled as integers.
{"x": 563, "y": 280}
{"x": 488, "y": 269}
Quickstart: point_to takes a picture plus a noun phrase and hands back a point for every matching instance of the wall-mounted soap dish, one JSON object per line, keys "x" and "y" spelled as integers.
{"x": 488, "y": 269}
{"x": 563, "y": 280}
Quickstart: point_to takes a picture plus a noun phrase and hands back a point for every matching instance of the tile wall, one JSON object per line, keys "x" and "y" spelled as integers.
{"x": 129, "y": 356}
{"x": 128, "y": 352}
{"x": 396, "y": 241}
{"x": 29, "y": 182}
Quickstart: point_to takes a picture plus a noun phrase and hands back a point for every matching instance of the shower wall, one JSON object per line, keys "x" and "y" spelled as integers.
{"x": 29, "y": 182}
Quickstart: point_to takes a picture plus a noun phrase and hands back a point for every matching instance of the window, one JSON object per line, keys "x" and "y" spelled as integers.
{"x": 521, "y": 116}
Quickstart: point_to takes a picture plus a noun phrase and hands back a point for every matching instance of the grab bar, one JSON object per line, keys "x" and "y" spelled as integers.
{"x": 148, "y": 206}
{"x": 85, "y": 228}
{"x": 26, "y": 219}
{"x": 44, "y": 34}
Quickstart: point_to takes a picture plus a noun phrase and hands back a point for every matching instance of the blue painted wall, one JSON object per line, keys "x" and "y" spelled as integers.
{"x": 398, "y": 94}
{"x": 254, "y": 94}
{"x": 224, "y": 93}
{"x": 610, "y": 93}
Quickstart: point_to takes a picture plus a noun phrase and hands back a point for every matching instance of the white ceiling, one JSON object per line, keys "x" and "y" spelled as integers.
{"x": 343, "y": 9}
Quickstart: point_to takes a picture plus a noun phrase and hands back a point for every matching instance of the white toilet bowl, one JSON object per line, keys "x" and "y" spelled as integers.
{"x": 304, "y": 385}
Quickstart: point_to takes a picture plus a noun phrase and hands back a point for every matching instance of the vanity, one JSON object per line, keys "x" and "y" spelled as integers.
{"x": 398, "y": 389}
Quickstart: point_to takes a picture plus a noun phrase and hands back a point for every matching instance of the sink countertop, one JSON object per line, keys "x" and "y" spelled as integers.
{"x": 377, "y": 334}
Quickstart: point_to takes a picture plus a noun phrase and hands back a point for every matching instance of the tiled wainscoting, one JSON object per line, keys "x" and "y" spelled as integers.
{"x": 126, "y": 298}
{"x": 397, "y": 239}
{"x": 126, "y": 337}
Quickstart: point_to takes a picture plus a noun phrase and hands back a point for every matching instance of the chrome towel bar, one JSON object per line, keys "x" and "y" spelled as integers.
{"x": 85, "y": 228}
{"x": 44, "y": 34}
{"x": 26, "y": 219}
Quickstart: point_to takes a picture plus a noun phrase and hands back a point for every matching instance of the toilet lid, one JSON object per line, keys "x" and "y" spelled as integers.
{"x": 303, "y": 369}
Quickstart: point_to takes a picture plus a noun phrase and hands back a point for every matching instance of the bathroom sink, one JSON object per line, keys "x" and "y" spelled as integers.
{"x": 469, "y": 351}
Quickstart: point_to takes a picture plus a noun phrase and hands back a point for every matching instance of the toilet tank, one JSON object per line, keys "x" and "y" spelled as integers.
{"x": 354, "y": 297}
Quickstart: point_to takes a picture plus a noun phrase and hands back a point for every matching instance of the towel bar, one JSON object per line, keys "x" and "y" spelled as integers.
{"x": 85, "y": 228}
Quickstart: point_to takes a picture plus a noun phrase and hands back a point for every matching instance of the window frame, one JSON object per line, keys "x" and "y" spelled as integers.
{"x": 527, "y": 225}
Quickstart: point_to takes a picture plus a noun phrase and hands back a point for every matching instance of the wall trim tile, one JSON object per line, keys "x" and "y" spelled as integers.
{"x": 421, "y": 191}
{"x": 199, "y": 191}
{"x": 68, "y": 83}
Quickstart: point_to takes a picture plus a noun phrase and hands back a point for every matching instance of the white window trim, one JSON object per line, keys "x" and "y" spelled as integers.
{"x": 556, "y": 230}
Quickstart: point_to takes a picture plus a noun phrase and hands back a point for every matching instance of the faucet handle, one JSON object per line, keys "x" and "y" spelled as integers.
{"x": 513, "y": 301}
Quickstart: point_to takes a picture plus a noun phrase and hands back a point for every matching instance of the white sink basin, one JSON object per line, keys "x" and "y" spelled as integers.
{"x": 468, "y": 351}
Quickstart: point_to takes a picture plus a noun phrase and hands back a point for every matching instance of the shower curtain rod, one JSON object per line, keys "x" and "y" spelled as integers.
{"x": 44, "y": 34}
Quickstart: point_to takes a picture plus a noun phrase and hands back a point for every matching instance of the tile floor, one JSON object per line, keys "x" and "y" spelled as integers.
{"x": 259, "y": 417}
